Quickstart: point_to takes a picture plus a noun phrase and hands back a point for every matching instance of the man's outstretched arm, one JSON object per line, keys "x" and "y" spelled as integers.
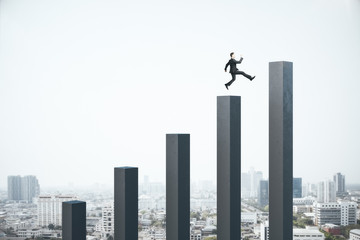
{"x": 226, "y": 66}
{"x": 238, "y": 62}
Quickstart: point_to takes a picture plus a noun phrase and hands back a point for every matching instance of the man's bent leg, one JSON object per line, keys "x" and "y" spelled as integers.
{"x": 232, "y": 80}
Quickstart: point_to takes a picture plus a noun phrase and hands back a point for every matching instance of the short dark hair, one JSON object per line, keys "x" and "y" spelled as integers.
{"x": 232, "y": 53}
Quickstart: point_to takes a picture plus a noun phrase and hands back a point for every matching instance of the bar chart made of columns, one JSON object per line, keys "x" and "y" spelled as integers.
{"x": 228, "y": 174}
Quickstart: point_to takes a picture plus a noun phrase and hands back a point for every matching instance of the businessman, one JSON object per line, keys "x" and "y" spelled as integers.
{"x": 234, "y": 71}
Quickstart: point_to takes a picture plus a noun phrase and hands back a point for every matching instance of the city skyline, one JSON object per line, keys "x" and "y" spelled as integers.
{"x": 194, "y": 183}
{"x": 70, "y": 92}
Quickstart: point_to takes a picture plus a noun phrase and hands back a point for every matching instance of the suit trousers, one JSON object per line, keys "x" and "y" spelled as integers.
{"x": 238, "y": 73}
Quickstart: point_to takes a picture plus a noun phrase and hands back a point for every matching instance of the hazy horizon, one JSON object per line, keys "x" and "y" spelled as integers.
{"x": 86, "y": 86}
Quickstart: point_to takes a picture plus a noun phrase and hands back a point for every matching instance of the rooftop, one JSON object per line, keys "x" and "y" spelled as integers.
{"x": 355, "y": 231}
{"x": 306, "y": 231}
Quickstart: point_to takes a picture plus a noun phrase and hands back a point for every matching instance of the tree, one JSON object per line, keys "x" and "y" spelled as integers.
{"x": 195, "y": 215}
{"x": 110, "y": 238}
{"x": 266, "y": 208}
{"x": 51, "y": 226}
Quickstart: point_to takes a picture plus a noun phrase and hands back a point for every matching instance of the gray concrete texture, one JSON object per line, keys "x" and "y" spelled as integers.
{"x": 228, "y": 167}
{"x": 280, "y": 150}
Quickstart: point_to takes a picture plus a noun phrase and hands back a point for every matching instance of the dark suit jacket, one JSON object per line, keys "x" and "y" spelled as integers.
{"x": 232, "y": 63}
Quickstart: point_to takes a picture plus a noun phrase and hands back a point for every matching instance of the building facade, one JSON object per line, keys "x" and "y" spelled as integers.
{"x": 326, "y": 192}
{"x": 263, "y": 193}
{"x": 29, "y": 233}
{"x": 339, "y": 181}
{"x": 341, "y": 213}
{"x": 255, "y": 178}
{"x": 107, "y": 221}
{"x": 14, "y": 188}
{"x": 30, "y": 188}
{"x": 49, "y": 209}
{"x": 264, "y": 230}
{"x": 331, "y": 228}
{"x": 308, "y": 234}
{"x": 23, "y": 188}
{"x": 355, "y": 234}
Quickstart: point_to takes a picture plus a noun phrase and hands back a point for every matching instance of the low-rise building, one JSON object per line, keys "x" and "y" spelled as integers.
{"x": 299, "y": 209}
{"x": 307, "y": 234}
{"x": 304, "y": 201}
{"x": 331, "y": 228}
{"x": 355, "y": 234}
{"x": 338, "y": 213}
{"x": 249, "y": 217}
{"x": 29, "y": 233}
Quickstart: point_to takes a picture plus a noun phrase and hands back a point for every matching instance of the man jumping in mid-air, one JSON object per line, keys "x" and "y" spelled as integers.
{"x": 234, "y": 71}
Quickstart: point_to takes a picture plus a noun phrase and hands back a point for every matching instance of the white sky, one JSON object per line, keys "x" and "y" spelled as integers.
{"x": 88, "y": 85}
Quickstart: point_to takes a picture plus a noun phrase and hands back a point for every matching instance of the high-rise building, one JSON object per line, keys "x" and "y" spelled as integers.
{"x": 255, "y": 177}
{"x": 23, "y": 188}
{"x": 49, "y": 209}
{"x": 339, "y": 213}
{"x": 309, "y": 189}
{"x": 107, "y": 221}
{"x": 339, "y": 180}
{"x": 326, "y": 192}
{"x": 297, "y": 187}
{"x": 245, "y": 185}
{"x": 263, "y": 193}
{"x": 14, "y": 188}
{"x": 264, "y": 230}
{"x": 30, "y": 188}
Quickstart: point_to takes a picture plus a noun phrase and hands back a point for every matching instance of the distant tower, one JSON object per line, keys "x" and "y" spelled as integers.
{"x": 255, "y": 177}
{"x": 23, "y": 188}
{"x": 326, "y": 192}
{"x": 297, "y": 188}
{"x": 339, "y": 180}
{"x": 30, "y": 188}
{"x": 245, "y": 185}
{"x": 263, "y": 193}
{"x": 14, "y": 188}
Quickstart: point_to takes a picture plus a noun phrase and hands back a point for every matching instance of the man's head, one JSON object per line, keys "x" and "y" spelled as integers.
{"x": 232, "y": 55}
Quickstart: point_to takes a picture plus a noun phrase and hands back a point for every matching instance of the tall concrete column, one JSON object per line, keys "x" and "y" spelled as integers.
{"x": 178, "y": 186}
{"x": 228, "y": 167}
{"x": 126, "y": 203}
{"x": 74, "y": 220}
{"x": 280, "y": 150}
